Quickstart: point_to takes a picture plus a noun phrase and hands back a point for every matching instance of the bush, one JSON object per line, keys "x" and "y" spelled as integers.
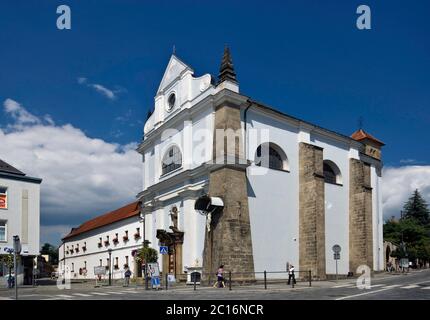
{"x": 147, "y": 254}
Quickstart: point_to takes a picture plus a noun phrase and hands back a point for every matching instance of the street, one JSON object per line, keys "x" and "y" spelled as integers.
{"x": 411, "y": 286}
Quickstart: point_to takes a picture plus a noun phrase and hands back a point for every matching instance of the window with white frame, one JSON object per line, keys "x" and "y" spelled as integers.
{"x": 172, "y": 160}
{"x": 3, "y": 197}
{"x": 3, "y": 230}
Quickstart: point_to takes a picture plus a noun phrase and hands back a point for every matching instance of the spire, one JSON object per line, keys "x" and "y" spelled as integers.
{"x": 226, "y": 70}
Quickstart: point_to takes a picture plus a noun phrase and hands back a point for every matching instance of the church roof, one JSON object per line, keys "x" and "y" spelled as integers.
{"x": 130, "y": 210}
{"x": 7, "y": 168}
{"x": 360, "y": 135}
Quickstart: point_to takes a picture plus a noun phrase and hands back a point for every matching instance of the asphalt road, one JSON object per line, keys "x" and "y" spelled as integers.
{"x": 411, "y": 286}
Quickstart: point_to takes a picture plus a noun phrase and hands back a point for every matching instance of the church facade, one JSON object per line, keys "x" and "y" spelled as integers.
{"x": 287, "y": 191}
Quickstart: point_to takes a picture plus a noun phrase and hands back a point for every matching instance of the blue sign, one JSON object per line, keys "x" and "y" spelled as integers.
{"x": 164, "y": 250}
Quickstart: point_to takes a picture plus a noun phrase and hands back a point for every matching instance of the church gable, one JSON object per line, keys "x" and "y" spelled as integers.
{"x": 175, "y": 69}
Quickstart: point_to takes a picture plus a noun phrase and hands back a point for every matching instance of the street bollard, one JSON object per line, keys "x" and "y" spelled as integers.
{"x": 310, "y": 278}
{"x": 167, "y": 281}
{"x": 293, "y": 279}
{"x": 195, "y": 282}
{"x": 265, "y": 280}
{"x": 229, "y": 280}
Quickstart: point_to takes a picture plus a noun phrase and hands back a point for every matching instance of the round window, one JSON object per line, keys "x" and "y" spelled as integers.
{"x": 171, "y": 102}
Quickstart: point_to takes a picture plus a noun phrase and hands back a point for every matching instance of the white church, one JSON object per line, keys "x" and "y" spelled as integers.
{"x": 320, "y": 188}
{"x": 228, "y": 180}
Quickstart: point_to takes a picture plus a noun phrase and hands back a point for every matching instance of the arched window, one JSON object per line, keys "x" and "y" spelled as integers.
{"x": 331, "y": 172}
{"x": 172, "y": 160}
{"x": 270, "y": 155}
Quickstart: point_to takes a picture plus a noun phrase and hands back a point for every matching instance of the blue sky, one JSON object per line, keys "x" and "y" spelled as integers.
{"x": 305, "y": 58}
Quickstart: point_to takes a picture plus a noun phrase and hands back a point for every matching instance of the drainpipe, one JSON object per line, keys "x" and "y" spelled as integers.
{"x": 245, "y": 126}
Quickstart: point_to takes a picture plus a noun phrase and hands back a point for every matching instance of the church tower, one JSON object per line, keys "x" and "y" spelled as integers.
{"x": 228, "y": 240}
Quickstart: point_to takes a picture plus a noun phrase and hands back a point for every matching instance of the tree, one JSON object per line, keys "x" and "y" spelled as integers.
{"x": 51, "y": 251}
{"x": 147, "y": 254}
{"x": 411, "y": 233}
{"x": 417, "y": 208}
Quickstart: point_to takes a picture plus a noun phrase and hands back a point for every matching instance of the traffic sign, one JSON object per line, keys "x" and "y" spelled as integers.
{"x": 164, "y": 250}
{"x": 336, "y": 248}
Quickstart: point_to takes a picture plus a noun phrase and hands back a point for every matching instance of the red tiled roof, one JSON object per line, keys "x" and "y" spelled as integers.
{"x": 361, "y": 135}
{"x": 130, "y": 210}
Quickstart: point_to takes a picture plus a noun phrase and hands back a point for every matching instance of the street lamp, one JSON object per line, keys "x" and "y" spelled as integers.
{"x": 142, "y": 219}
{"x": 110, "y": 264}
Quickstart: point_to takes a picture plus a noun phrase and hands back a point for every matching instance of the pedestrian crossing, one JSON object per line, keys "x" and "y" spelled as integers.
{"x": 95, "y": 294}
{"x": 382, "y": 286}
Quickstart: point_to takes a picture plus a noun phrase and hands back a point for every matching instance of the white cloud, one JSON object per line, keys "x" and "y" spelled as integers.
{"x": 19, "y": 113}
{"x": 104, "y": 91}
{"x": 108, "y": 93}
{"x": 398, "y": 183}
{"x": 82, "y": 176}
{"x": 82, "y": 80}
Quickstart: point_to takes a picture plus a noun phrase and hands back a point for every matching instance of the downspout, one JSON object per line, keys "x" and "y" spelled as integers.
{"x": 250, "y": 103}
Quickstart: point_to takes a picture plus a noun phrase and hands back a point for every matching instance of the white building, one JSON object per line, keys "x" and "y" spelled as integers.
{"x": 19, "y": 215}
{"x": 290, "y": 190}
{"x": 88, "y": 246}
{"x": 287, "y": 216}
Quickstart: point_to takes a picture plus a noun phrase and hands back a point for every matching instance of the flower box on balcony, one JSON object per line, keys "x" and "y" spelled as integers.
{"x": 125, "y": 238}
{"x": 115, "y": 240}
{"x": 106, "y": 242}
{"x": 77, "y": 250}
{"x": 116, "y": 267}
{"x": 136, "y": 235}
{"x": 100, "y": 245}
{"x": 84, "y": 249}
{"x": 107, "y": 267}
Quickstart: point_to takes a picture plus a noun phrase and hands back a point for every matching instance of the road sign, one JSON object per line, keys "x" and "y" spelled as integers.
{"x": 16, "y": 244}
{"x": 336, "y": 248}
{"x": 101, "y": 270}
{"x": 164, "y": 250}
{"x": 336, "y": 256}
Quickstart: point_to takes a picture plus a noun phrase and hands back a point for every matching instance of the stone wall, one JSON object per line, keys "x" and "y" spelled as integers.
{"x": 360, "y": 216}
{"x": 311, "y": 211}
{"x": 229, "y": 240}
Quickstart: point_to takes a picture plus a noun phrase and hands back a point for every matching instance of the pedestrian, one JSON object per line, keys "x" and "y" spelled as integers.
{"x": 220, "y": 277}
{"x": 127, "y": 275}
{"x": 291, "y": 275}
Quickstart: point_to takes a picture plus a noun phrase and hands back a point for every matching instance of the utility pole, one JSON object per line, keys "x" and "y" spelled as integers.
{"x": 110, "y": 266}
{"x": 16, "y": 251}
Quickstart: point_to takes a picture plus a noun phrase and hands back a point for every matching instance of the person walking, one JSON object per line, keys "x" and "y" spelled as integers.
{"x": 291, "y": 275}
{"x": 220, "y": 277}
{"x": 127, "y": 275}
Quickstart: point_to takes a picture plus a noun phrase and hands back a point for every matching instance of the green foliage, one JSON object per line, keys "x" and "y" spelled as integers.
{"x": 147, "y": 254}
{"x": 7, "y": 259}
{"x": 416, "y": 208}
{"x": 51, "y": 251}
{"x": 412, "y": 232}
